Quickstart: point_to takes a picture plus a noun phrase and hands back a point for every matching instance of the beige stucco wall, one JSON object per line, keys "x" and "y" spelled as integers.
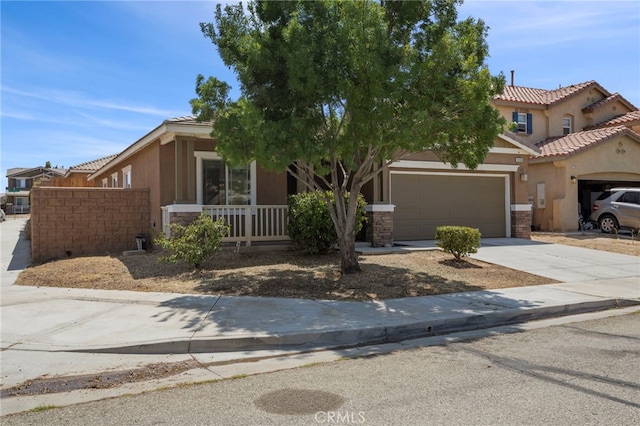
{"x": 145, "y": 172}
{"x": 548, "y": 122}
{"x": 606, "y": 161}
{"x": 154, "y": 168}
{"x": 609, "y": 111}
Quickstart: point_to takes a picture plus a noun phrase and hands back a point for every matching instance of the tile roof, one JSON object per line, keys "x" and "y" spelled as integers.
{"x": 93, "y": 165}
{"x": 612, "y": 98}
{"x": 627, "y": 119}
{"x": 543, "y": 97}
{"x": 189, "y": 119}
{"x": 580, "y": 141}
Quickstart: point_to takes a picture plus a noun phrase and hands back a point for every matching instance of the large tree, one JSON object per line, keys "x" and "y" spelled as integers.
{"x": 333, "y": 91}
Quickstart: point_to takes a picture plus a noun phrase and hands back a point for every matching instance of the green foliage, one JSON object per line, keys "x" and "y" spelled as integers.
{"x": 458, "y": 240}
{"x": 310, "y": 225}
{"x": 340, "y": 89}
{"x": 195, "y": 242}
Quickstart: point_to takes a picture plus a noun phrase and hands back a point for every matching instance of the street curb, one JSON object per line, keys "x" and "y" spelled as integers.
{"x": 375, "y": 334}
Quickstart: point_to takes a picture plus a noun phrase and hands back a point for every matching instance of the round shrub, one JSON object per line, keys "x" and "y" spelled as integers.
{"x": 195, "y": 242}
{"x": 458, "y": 240}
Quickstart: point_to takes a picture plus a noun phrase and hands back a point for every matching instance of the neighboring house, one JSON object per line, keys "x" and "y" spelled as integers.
{"x": 20, "y": 180}
{"x": 589, "y": 141}
{"x": 76, "y": 176}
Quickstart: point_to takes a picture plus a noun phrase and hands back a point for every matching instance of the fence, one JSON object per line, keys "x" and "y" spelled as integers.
{"x": 248, "y": 223}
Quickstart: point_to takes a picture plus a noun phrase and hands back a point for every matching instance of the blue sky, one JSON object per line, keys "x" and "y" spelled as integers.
{"x": 82, "y": 80}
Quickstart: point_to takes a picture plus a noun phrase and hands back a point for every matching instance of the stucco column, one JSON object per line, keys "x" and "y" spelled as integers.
{"x": 380, "y": 224}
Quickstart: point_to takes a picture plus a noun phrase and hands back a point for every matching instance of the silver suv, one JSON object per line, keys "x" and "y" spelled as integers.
{"x": 617, "y": 208}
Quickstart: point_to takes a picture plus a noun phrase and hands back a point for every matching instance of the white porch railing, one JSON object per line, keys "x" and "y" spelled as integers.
{"x": 248, "y": 223}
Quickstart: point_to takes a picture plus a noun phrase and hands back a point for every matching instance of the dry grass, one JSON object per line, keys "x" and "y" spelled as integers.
{"x": 291, "y": 274}
{"x": 283, "y": 274}
{"x": 622, "y": 244}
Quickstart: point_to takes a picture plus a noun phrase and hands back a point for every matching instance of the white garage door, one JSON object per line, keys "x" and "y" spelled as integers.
{"x": 424, "y": 202}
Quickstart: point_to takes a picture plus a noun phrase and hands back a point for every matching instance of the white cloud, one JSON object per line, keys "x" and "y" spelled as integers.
{"x": 78, "y": 100}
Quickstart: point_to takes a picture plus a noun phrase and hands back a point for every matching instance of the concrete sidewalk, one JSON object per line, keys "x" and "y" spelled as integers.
{"x": 59, "y": 322}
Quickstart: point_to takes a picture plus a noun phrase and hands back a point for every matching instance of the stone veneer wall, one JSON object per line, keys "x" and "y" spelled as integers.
{"x": 86, "y": 221}
{"x": 521, "y": 224}
{"x": 183, "y": 218}
{"x": 380, "y": 225}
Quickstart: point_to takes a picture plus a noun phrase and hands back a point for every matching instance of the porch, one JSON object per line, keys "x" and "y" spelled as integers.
{"x": 268, "y": 223}
{"x": 257, "y": 223}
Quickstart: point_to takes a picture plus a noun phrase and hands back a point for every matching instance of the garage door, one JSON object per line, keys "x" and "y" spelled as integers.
{"x": 424, "y": 202}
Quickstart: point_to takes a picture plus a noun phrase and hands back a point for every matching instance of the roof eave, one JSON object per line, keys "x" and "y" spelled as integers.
{"x": 531, "y": 150}
{"x": 166, "y": 132}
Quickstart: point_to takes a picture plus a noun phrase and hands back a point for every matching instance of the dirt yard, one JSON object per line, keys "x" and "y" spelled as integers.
{"x": 282, "y": 274}
{"x": 594, "y": 240}
{"x": 293, "y": 275}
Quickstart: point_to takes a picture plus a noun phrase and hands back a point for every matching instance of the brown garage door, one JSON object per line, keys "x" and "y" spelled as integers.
{"x": 424, "y": 202}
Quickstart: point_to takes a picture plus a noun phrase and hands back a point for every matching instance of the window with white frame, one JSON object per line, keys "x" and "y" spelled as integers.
{"x": 21, "y": 183}
{"x": 220, "y": 184}
{"x": 114, "y": 180}
{"x": 567, "y": 125}
{"x": 524, "y": 122}
{"x": 126, "y": 177}
{"x": 105, "y": 184}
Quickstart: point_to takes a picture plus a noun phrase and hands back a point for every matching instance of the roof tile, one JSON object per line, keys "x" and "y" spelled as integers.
{"x": 576, "y": 142}
{"x": 542, "y": 96}
{"x": 627, "y": 119}
{"x": 93, "y": 165}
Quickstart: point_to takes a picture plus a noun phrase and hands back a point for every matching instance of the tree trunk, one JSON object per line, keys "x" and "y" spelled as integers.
{"x": 346, "y": 231}
{"x": 349, "y": 258}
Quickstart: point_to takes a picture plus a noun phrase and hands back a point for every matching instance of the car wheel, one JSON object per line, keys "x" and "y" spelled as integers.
{"x": 608, "y": 224}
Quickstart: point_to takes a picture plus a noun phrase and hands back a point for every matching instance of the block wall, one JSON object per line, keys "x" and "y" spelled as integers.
{"x": 86, "y": 221}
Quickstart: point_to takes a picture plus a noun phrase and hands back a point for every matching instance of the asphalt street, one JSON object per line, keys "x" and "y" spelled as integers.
{"x": 581, "y": 373}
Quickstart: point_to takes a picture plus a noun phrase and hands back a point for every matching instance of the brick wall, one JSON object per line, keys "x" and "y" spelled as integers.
{"x": 86, "y": 221}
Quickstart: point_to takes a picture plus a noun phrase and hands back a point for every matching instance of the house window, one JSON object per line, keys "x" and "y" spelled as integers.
{"x": 104, "y": 183}
{"x": 524, "y": 122}
{"x": 114, "y": 180}
{"x": 541, "y": 196}
{"x": 220, "y": 184}
{"x": 126, "y": 177}
{"x": 21, "y": 183}
{"x": 567, "y": 126}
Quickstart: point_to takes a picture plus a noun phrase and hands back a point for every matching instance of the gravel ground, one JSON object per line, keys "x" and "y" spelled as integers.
{"x": 282, "y": 274}
{"x": 291, "y": 274}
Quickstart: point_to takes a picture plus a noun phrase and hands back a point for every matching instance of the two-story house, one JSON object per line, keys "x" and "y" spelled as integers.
{"x": 589, "y": 141}
{"x": 20, "y": 180}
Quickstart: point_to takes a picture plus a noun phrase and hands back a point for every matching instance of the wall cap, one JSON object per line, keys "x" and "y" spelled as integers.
{"x": 380, "y": 207}
{"x": 521, "y": 207}
{"x": 183, "y": 208}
